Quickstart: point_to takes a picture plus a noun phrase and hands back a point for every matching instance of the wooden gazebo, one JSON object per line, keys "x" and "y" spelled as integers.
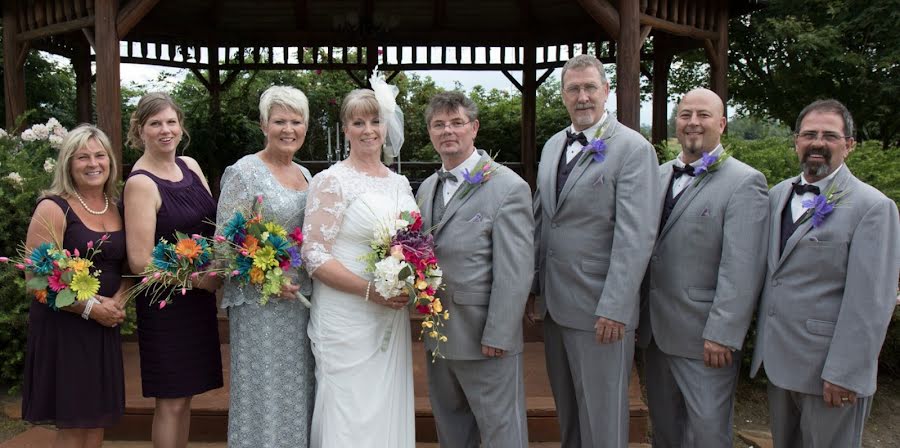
{"x": 534, "y": 36}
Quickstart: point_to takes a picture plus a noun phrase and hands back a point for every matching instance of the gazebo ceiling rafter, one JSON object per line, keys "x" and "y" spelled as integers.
{"x": 355, "y": 35}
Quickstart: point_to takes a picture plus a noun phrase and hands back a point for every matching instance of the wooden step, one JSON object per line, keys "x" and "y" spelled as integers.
{"x": 209, "y": 418}
{"x": 40, "y": 437}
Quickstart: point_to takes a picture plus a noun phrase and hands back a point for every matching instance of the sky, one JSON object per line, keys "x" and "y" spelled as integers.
{"x": 147, "y": 74}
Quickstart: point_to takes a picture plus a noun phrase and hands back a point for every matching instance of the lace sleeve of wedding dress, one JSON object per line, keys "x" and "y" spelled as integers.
{"x": 324, "y": 216}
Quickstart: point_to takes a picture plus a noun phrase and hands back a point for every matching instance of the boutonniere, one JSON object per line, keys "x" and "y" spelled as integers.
{"x": 596, "y": 149}
{"x": 709, "y": 163}
{"x": 822, "y": 205}
{"x": 480, "y": 174}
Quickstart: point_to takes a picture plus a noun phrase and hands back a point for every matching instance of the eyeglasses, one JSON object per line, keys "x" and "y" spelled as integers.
{"x": 575, "y": 89}
{"x": 827, "y": 137}
{"x": 439, "y": 126}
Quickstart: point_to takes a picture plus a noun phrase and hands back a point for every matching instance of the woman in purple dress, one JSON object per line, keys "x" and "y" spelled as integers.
{"x": 73, "y": 361}
{"x": 179, "y": 345}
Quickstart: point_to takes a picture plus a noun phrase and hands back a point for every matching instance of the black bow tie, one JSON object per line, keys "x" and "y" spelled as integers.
{"x": 679, "y": 171}
{"x": 572, "y": 138}
{"x": 446, "y": 176}
{"x": 799, "y": 190}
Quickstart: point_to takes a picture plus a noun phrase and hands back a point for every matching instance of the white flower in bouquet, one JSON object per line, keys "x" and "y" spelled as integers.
{"x": 387, "y": 277}
{"x": 41, "y": 132}
{"x": 15, "y": 178}
{"x": 28, "y": 135}
{"x": 434, "y": 277}
{"x": 49, "y": 165}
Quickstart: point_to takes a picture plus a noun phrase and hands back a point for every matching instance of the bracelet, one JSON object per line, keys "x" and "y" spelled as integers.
{"x": 368, "y": 287}
{"x": 86, "y": 314}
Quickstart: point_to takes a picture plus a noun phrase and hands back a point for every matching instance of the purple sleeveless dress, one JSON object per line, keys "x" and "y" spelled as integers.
{"x": 73, "y": 367}
{"x": 179, "y": 345}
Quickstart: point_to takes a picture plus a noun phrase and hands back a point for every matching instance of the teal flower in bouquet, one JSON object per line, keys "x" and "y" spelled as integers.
{"x": 164, "y": 256}
{"x": 41, "y": 260}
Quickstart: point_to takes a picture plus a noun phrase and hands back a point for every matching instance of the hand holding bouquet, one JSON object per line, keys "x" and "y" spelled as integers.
{"x": 175, "y": 267}
{"x": 260, "y": 253}
{"x": 403, "y": 260}
{"x": 60, "y": 277}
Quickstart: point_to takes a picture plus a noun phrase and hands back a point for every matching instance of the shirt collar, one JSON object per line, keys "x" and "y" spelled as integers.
{"x": 821, "y": 183}
{"x": 715, "y": 151}
{"x": 468, "y": 164}
{"x": 589, "y": 132}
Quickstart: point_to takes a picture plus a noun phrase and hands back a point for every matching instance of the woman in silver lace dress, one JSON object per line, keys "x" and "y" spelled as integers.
{"x": 272, "y": 368}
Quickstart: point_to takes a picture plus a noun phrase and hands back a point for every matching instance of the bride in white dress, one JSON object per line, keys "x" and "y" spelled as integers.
{"x": 360, "y": 340}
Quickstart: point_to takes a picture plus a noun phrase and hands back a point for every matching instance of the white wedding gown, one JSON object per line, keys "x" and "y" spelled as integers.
{"x": 364, "y": 387}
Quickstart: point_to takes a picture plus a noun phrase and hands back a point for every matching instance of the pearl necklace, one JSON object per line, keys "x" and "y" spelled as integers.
{"x": 93, "y": 212}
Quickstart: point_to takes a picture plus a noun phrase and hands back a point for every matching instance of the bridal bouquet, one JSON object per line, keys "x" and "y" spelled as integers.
{"x": 175, "y": 267}
{"x": 60, "y": 277}
{"x": 403, "y": 260}
{"x": 259, "y": 252}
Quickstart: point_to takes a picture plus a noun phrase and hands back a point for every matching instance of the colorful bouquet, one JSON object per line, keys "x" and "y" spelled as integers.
{"x": 260, "y": 253}
{"x": 403, "y": 260}
{"x": 175, "y": 267}
{"x": 60, "y": 277}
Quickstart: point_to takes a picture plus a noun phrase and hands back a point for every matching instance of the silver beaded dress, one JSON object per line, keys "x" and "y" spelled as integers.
{"x": 272, "y": 367}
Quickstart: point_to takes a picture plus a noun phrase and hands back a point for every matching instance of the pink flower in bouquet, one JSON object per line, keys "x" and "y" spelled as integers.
{"x": 397, "y": 252}
{"x": 55, "y": 281}
{"x": 417, "y": 221}
{"x": 297, "y": 235}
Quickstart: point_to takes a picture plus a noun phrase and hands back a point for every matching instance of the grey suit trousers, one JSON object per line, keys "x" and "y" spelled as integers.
{"x": 495, "y": 414}
{"x": 590, "y": 385}
{"x": 691, "y": 405}
{"x": 801, "y": 420}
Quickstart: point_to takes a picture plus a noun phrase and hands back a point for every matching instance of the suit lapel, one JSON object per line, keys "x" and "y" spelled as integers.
{"x": 555, "y": 149}
{"x": 775, "y": 229}
{"x": 688, "y": 195}
{"x": 456, "y": 201}
{"x": 840, "y": 178}
{"x": 427, "y": 194}
{"x": 582, "y": 165}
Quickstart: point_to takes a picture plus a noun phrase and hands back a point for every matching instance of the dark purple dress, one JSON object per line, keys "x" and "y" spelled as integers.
{"x": 179, "y": 344}
{"x": 73, "y": 367}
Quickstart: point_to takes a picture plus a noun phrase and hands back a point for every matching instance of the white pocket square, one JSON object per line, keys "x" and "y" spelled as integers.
{"x": 476, "y": 218}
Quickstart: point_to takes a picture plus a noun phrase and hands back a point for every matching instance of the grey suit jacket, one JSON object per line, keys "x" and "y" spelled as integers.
{"x": 828, "y": 298}
{"x": 709, "y": 262}
{"x": 593, "y": 243}
{"x": 484, "y": 247}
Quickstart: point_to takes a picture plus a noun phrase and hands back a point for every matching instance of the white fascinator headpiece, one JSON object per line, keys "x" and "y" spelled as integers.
{"x": 391, "y": 114}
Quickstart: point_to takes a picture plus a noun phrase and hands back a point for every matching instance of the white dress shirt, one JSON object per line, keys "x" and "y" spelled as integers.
{"x": 575, "y": 148}
{"x": 797, "y": 209}
{"x": 679, "y": 184}
{"x": 468, "y": 164}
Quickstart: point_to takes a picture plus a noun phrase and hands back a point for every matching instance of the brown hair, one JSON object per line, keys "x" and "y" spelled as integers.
{"x": 359, "y": 102}
{"x": 150, "y": 105}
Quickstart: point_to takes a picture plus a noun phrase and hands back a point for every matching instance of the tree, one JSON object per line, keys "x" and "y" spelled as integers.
{"x": 793, "y": 52}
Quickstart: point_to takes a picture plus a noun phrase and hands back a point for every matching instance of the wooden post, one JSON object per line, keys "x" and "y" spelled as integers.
{"x": 109, "y": 96}
{"x": 81, "y": 64}
{"x": 13, "y": 73}
{"x": 529, "y": 116}
{"x": 628, "y": 65}
{"x": 719, "y": 73}
{"x": 662, "y": 61}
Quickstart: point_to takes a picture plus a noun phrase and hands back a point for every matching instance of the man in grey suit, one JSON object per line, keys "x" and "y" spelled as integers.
{"x": 483, "y": 232}
{"x": 703, "y": 281}
{"x": 833, "y": 261}
{"x": 596, "y": 211}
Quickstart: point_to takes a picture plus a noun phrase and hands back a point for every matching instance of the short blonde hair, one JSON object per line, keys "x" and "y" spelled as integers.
{"x": 359, "y": 102}
{"x": 148, "y": 106}
{"x": 287, "y": 97}
{"x": 63, "y": 183}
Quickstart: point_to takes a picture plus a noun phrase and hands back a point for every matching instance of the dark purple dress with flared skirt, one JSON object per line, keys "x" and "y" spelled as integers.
{"x": 73, "y": 367}
{"x": 179, "y": 344}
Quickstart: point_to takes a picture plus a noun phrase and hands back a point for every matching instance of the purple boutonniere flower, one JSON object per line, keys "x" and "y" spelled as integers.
{"x": 476, "y": 178}
{"x": 707, "y": 160}
{"x": 479, "y": 175}
{"x": 820, "y": 207}
{"x": 596, "y": 150}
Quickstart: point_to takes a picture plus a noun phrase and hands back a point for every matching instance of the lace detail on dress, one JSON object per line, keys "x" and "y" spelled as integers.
{"x": 330, "y": 193}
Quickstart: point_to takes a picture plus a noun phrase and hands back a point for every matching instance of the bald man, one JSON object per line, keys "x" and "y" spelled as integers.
{"x": 703, "y": 280}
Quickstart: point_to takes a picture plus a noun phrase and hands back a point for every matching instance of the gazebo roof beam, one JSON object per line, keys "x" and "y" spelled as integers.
{"x": 604, "y": 14}
{"x": 676, "y": 29}
{"x": 56, "y": 29}
{"x": 301, "y": 13}
{"x": 131, "y": 14}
